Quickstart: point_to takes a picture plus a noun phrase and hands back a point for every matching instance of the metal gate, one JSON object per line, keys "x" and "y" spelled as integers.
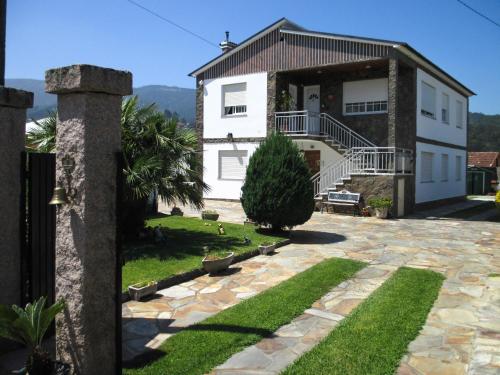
{"x": 38, "y": 236}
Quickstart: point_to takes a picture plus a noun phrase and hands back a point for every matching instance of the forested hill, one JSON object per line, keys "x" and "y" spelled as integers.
{"x": 484, "y": 132}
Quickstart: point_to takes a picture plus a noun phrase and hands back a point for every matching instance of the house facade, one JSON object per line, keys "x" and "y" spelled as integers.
{"x": 371, "y": 116}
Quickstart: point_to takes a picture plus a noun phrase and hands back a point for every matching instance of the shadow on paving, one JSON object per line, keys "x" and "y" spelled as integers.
{"x": 151, "y": 355}
{"x": 306, "y": 237}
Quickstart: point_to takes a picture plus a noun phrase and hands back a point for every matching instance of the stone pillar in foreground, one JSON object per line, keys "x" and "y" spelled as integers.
{"x": 13, "y": 105}
{"x": 88, "y": 138}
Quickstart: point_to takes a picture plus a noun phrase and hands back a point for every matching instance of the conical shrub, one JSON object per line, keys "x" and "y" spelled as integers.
{"x": 277, "y": 189}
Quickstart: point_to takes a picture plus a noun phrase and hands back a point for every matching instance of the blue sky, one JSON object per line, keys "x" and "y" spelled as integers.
{"x": 43, "y": 34}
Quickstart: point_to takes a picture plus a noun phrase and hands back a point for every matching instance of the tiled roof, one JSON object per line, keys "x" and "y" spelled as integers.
{"x": 484, "y": 159}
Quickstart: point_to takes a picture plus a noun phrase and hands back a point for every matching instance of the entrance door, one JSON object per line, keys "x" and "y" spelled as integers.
{"x": 313, "y": 159}
{"x": 311, "y": 98}
{"x": 401, "y": 197}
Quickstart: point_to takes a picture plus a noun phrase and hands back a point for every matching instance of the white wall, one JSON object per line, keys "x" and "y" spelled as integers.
{"x": 327, "y": 154}
{"x": 430, "y": 191}
{"x": 435, "y": 129}
{"x": 220, "y": 188}
{"x": 251, "y": 124}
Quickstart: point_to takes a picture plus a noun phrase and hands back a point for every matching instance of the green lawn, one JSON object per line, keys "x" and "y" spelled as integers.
{"x": 202, "y": 347}
{"x": 183, "y": 250}
{"x": 376, "y": 335}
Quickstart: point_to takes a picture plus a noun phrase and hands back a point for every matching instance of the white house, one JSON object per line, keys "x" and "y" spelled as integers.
{"x": 371, "y": 116}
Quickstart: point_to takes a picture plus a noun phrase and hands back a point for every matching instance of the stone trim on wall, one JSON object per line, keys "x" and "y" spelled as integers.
{"x": 439, "y": 143}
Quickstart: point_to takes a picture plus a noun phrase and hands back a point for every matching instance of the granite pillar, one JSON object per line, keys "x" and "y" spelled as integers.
{"x": 13, "y": 105}
{"x": 392, "y": 104}
{"x": 88, "y": 140}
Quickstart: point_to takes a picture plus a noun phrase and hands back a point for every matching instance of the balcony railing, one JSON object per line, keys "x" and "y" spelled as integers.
{"x": 364, "y": 161}
{"x": 297, "y": 122}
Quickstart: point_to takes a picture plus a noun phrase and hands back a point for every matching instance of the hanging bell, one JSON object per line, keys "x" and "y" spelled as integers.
{"x": 59, "y": 196}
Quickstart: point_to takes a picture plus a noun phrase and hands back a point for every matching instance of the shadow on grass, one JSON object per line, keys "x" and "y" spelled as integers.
{"x": 307, "y": 237}
{"x": 180, "y": 243}
{"x": 151, "y": 355}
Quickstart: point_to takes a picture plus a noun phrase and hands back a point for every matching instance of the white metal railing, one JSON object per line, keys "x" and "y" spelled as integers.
{"x": 364, "y": 161}
{"x": 297, "y": 122}
{"x": 342, "y": 134}
{"x": 313, "y": 123}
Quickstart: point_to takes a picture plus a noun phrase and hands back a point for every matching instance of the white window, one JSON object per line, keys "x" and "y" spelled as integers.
{"x": 233, "y": 164}
{"x": 234, "y": 98}
{"x": 366, "y": 107}
{"x": 427, "y": 159}
{"x": 460, "y": 114}
{"x": 428, "y": 103}
{"x": 367, "y": 96}
{"x": 444, "y": 167}
{"x": 458, "y": 168}
{"x": 445, "y": 108}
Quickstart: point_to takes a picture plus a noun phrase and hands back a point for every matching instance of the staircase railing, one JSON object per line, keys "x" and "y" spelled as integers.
{"x": 319, "y": 124}
{"x": 342, "y": 134}
{"x": 364, "y": 161}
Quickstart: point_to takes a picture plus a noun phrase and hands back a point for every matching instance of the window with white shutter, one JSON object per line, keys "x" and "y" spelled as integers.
{"x": 428, "y": 102}
{"x": 444, "y": 167}
{"x": 233, "y": 164}
{"x": 426, "y": 166}
{"x": 458, "y": 168}
{"x": 234, "y": 97}
{"x": 460, "y": 114}
{"x": 445, "y": 108}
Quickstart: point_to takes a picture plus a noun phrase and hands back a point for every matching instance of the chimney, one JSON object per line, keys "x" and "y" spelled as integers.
{"x": 226, "y": 45}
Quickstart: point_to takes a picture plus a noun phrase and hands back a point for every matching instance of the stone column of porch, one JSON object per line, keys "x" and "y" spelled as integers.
{"x": 13, "y": 105}
{"x": 88, "y": 139}
{"x": 392, "y": 105}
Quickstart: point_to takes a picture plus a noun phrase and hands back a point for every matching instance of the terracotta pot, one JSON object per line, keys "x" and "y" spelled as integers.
{"x": 216, "y": 265}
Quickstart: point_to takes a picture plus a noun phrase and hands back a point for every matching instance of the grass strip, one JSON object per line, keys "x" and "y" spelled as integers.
{"x": 182, "y": 250}
{"x": 376, "y": 335}
{"x": 200, "y": 348}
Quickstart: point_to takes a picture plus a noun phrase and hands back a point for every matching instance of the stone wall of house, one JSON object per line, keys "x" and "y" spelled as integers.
{"x": 199, "y": 120}
{"x": 371, "y": 186}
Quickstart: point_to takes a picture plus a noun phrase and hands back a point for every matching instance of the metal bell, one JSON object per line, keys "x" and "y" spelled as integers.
{"x": 59, "y": 196}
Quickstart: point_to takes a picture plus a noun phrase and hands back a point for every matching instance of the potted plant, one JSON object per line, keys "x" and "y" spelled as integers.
{"x": 216, "y": 262}
{"x": 28, "y": 326}
{"x": 266, "y": 248}
{"x": 209, "y": 215}
{"x": 142, "y": 289}
{"x": 381, "y": 206}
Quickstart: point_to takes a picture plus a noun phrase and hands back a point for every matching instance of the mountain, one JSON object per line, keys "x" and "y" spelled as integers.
{"x": 167, "y": 98}
{"x": 484, "y": 132}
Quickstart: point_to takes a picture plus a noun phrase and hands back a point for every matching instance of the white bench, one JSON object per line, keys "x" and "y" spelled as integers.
{"x": 344, "y": 198}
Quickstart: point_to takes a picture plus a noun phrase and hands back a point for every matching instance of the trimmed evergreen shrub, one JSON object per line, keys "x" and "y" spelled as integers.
{"x": 278, "y": 190}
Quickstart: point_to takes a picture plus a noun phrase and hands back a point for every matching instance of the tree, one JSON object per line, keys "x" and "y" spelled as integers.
{"x": 278, "y": 189}
{"x": 159, "y": 157}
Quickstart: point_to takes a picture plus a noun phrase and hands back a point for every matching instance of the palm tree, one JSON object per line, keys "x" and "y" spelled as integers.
{"x": 42, "y": 137}
{"x": 159, "y": 156}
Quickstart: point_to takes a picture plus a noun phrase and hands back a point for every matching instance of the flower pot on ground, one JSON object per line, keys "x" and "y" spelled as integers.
{"x": 209, "y": 215}
{"x": 176, "y": 211}
{"x": 143, "y": 289}
{"x": 381, "y": 206}
{"x": 266, "y": 248}
{"x": 214, "y": 263}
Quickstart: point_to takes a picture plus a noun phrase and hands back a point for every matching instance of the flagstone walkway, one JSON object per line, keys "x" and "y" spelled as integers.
{"x": 461, "y": 334}
{"x": 273, "y": 355}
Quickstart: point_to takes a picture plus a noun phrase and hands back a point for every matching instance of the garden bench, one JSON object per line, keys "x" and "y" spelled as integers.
{"x": 344, "y": 198}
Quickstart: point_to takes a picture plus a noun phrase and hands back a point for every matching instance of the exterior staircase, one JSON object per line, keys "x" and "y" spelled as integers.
{"x": 360, "y": 156}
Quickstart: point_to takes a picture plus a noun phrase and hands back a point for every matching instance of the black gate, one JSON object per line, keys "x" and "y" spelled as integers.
{"x": 38, "y": 241}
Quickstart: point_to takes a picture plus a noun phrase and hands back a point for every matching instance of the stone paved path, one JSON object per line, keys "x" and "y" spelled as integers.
{"x": 147, "y": 324}
{"x": 273, "y": 355}
{"x": 462, "y": 332}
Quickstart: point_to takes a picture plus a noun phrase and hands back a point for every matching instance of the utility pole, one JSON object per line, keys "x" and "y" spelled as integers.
{"x": 3, "y": 22}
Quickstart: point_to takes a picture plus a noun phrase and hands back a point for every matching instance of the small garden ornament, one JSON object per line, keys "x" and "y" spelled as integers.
{"x": 221, "y": 230}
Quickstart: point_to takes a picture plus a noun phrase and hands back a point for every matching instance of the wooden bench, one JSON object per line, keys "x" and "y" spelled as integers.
{"x": 344, "y": 198}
